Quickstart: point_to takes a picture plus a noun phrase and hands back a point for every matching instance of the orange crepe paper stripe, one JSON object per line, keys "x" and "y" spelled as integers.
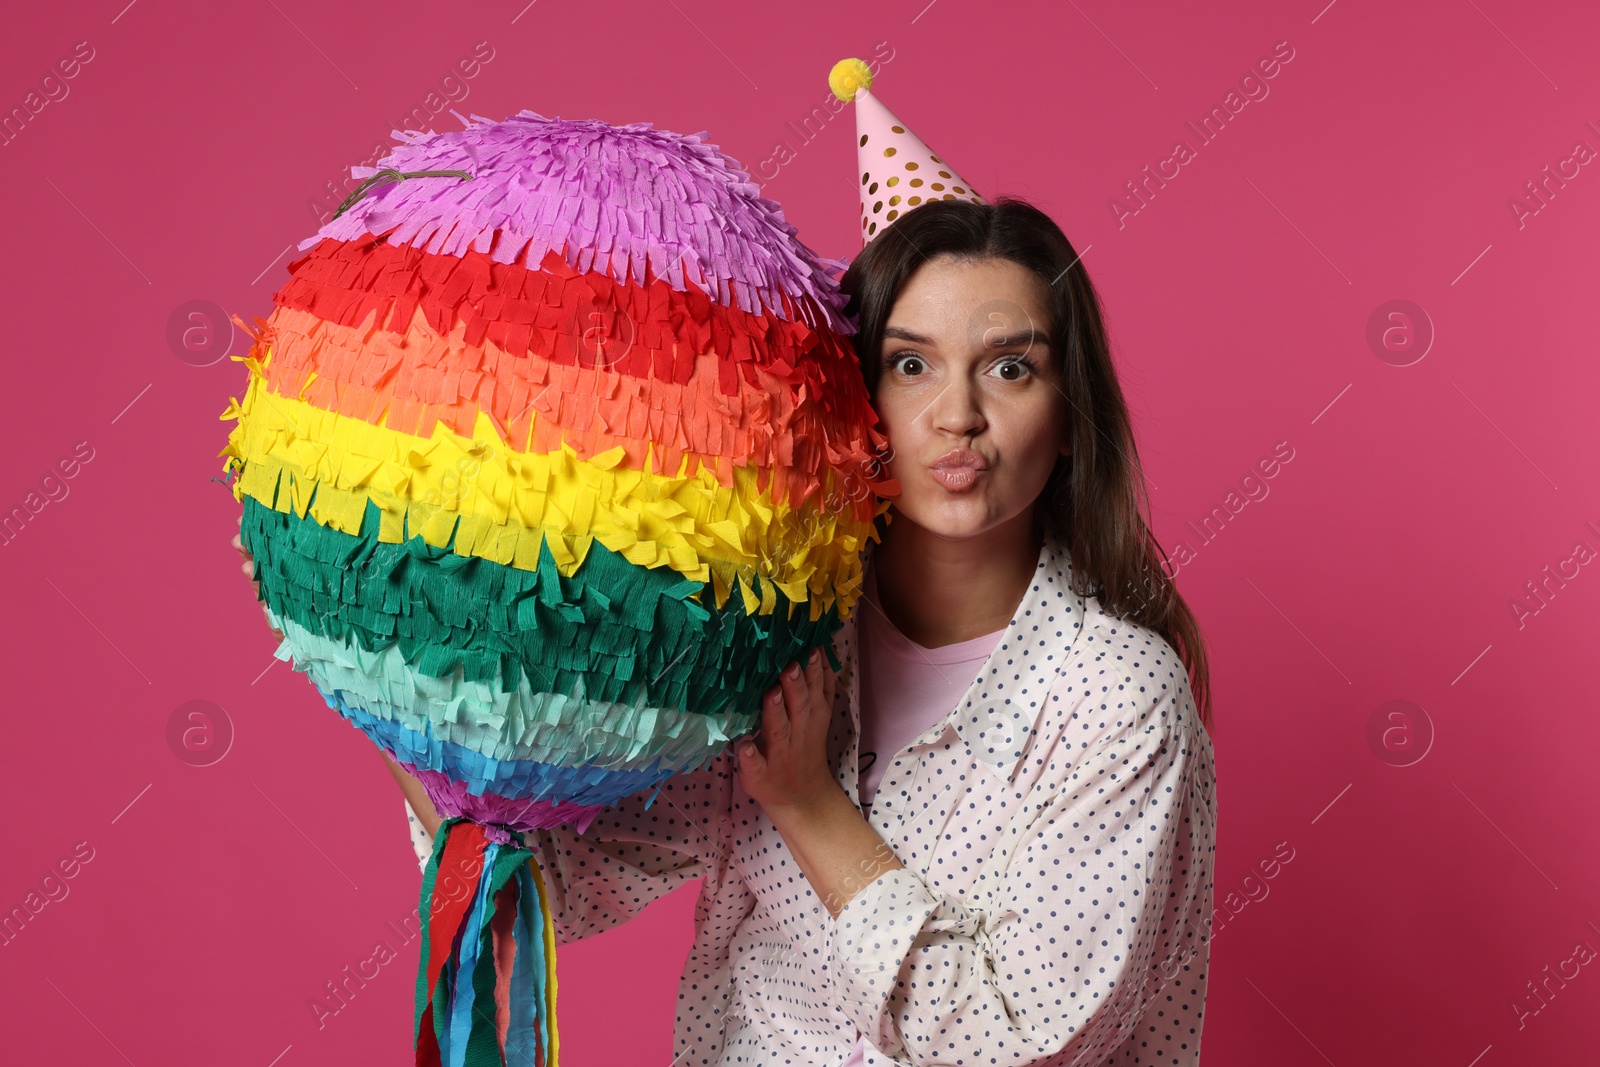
{"x": 538, "y": 406}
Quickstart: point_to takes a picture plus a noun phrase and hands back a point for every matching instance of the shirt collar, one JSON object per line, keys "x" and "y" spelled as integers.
{"x": 998, "y": 722}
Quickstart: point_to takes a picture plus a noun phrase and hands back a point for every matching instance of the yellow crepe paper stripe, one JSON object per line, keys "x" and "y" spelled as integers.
{"x": 293, "y": 456}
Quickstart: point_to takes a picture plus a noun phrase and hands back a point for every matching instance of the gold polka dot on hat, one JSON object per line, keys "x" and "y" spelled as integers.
{"x": 898, "y": 172}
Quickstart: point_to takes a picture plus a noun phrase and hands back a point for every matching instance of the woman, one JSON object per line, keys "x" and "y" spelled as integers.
{"x": 990, "y": 839}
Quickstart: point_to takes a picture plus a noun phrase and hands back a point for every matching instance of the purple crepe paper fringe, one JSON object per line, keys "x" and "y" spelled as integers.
{"x": 611, "y": 198}
{"x": 495, "y": 812}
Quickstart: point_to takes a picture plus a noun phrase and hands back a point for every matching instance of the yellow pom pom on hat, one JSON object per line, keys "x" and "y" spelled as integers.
{"x": 898, "y": 172}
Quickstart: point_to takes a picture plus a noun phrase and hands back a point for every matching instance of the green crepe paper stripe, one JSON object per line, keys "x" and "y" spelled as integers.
{"x": 628, "y": 634}
{"x": 522, "y": 725}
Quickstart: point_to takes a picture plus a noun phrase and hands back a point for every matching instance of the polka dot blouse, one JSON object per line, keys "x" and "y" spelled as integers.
{"x": 1057, "y": 830}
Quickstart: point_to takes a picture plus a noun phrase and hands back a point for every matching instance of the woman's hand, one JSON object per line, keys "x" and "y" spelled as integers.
{"x": 786, "y": 771}
{"x": 249, "y": 568}
{"x": 785, "y": 768}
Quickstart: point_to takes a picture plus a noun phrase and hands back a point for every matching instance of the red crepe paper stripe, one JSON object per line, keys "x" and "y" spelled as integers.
{"x": 544, "y": 311}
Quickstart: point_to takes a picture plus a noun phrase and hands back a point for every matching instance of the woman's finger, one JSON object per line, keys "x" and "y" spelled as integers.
{"x": 814, "y": 680}
{"x": 749, "y": 759}
{"x": 774, "y": 719}
{"x": 796, "y": 691}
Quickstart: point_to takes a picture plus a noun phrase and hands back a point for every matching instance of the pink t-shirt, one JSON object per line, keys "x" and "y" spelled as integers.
{"x": 906, "y": 687}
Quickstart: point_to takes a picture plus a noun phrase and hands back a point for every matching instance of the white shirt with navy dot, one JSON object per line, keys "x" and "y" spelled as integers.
{"x": 1057, "y": 830}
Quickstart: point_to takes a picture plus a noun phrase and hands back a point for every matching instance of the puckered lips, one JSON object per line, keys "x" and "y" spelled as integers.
{"x": 959, "y": 469}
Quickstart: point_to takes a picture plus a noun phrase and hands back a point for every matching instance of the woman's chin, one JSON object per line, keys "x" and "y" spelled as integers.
{"x": 951, "y": 519}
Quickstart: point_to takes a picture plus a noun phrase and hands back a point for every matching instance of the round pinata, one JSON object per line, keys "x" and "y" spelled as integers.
{"x": 554, "y": 453}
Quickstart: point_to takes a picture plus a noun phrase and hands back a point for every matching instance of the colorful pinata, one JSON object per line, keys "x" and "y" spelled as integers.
{"x": 554, "y": 453}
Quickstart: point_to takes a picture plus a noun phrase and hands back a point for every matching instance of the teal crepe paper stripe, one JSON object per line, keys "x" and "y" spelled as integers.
{"x": 548, "y": 727}
{"x": 628, "y": 634}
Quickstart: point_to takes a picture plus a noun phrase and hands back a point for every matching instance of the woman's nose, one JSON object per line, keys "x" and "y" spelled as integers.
{"x": 956, "y": 409}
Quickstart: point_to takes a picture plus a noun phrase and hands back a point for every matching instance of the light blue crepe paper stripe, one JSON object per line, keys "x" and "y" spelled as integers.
{"x": 547, "y": 727}
{"x": 521, "y": 779}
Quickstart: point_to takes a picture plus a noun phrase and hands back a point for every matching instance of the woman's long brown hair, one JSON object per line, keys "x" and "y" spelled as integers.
{"x": 1095, "y": 500}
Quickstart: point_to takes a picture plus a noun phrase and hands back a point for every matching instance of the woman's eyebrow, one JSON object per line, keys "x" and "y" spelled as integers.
{"x": 1021, "y": 337}
{"x": 1029, "y": 337}
{"x": 903, "y": 334}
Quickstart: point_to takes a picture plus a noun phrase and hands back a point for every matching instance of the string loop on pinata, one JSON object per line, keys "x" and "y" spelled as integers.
{"x": 390, "y": 174}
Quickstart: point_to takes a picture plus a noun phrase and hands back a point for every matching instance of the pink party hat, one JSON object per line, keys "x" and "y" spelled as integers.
{"x": 898, "y": 171}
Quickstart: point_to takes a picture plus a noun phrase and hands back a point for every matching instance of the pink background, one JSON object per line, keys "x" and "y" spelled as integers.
{"x": 1381, "y": 564}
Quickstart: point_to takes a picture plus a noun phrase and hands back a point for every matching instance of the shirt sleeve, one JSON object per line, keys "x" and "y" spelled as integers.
{"x": 1096, "y": 931}
{"x": 630, "y": 854}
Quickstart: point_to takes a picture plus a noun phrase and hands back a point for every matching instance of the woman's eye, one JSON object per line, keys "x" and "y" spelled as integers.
{"x": 900, "y": 359}
{"x": 1014, "y": 369}
{"x": 1021, "y": 364}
